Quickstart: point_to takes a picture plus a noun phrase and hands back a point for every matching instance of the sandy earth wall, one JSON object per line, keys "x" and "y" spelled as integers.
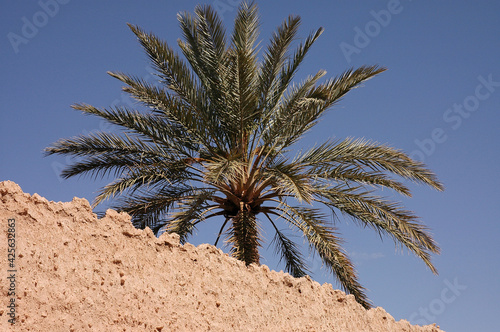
{"x": 75, "y": 272}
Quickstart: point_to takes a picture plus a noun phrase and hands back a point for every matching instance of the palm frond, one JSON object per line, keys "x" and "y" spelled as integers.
{"x": 149, "y": 206}
{"x": 334, "y": 89}
{"x": 180, "y": 118}
{"x": 244, "y": 40}
{"x": 223, "y": 170}
{"x": 361, "y": 153}
{"x": 177, "y": 77}
{"x": 289, "y": 69}
{"x": 289, "y": 252}
{"x": 171, "y": 69}
{"x": 275, "y": 57}
{"x": 322, "y": 238}
{"x": 386, "y": 217}
{"x": 148, "y": 175}
{"x": 289, "y": 178}
{"x": 319, "y": 99}
{"x": 293, "y": 117}
{"x": 206, "y": 50}
{"x": 174, "y": 136}
{"x": 204, "y": 45}
{"x": 189, "y": 211}
{"x": 348, "y": 175}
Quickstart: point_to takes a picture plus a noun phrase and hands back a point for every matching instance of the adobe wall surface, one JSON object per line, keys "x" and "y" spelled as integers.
{"x": 76, "y": 272}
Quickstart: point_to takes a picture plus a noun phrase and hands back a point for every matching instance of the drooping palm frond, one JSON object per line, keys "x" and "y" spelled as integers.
{"x": 105, "y": 153}
{"x": 189, "y": 212}
{"x": 348, "y": 174}
{"x": 214, "y": 139}
{"x": 385, "y": 217}
{"x": 162, "y": 174}
{"x": 324, "y": 241}
{"x": 149, "y": 206}
{"x": 289, "y": 252}
{"x": 155, "y": 129}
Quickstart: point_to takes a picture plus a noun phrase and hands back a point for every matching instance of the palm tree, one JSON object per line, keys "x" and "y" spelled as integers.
{"x": 216, "y": 141}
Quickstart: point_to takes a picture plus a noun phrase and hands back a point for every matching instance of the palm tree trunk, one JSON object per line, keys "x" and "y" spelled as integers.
{"x": 245, "y": 237}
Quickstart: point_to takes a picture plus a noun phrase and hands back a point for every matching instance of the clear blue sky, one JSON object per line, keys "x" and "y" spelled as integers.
{"x": 439, "y": 101}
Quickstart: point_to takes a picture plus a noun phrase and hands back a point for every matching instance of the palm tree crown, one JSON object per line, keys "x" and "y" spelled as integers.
{"x": 216, "y": 141}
